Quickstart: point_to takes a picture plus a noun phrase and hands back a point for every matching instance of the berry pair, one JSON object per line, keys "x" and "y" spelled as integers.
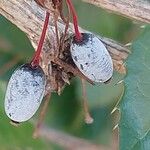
{"x": 26, "y": 87}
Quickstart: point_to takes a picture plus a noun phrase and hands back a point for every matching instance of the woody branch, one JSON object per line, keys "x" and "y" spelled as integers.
{"x": 29, "y": 17}
{"x": 133, "y": 9}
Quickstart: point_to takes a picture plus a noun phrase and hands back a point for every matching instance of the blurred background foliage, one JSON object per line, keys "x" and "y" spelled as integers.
{"x": 65, "y": 112}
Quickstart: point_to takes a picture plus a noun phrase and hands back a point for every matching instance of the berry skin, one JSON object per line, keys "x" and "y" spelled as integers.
{"x": 25, "y": 92}
{"x": 91, "y": 57}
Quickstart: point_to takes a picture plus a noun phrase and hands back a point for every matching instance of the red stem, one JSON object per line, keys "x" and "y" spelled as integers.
{"x": 36, "y": 59}
{"x": 75, "y": 20}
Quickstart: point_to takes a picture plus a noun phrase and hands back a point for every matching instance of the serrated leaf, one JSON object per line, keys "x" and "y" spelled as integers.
{"x": 135, "y": 114}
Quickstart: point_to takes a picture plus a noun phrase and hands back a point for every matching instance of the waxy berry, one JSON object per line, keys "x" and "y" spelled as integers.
{"x": 91, "y": 57}
{"x": 25, "y": 92}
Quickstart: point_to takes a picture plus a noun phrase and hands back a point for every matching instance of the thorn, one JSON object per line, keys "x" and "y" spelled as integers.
{"x": 65, "y": 78}
{"x": 142, "y": 27}
{"x": 124, "y": 63}
{"x": 59, "y": 91}
{"x": 128, "y": 44}
{"x": 119, "y": 82}
{"x": 115, "y": 127}
{"x": 115, "y": 108}
{"x": 67, "y": 81}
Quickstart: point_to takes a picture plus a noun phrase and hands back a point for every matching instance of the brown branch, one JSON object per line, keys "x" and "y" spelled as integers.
{"x": 134, "y": 9}
{"x": 28, "y": 16}
{"x": 70, "y": 142}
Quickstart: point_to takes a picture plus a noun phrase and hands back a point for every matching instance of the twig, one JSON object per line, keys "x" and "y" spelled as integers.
{"x": 42, "y": 115}
{"x": 29, "y": 17}
{"x": 70, "y": 142}
{"x": 87, "y": 116}
{"x": 134, "y": 9}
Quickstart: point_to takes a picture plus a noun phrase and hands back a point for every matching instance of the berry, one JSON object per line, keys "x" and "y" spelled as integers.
{"x": 91, "y": 57}
{"x": 25, "y": 92}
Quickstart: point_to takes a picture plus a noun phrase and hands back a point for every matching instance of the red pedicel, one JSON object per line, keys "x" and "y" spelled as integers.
{"x": 78, "y": 35}
{"x": 36, "y": 58}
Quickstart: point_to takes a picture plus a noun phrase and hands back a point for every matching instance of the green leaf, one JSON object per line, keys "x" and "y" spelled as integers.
{"x": 135, "y": 107}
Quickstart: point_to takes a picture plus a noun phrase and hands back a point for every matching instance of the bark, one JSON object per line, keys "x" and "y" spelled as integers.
{"x": 70, "y": 142}
{"x": 134, "y": 9}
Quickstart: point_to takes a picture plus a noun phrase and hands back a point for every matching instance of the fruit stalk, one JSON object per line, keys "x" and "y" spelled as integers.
{"x": 36, "y": 58}
{"x": 75, "y": 20}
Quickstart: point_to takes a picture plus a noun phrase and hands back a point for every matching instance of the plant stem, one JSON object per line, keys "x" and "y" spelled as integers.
{"x": 36, "y": 59}
{"x": 78, "y": 35}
